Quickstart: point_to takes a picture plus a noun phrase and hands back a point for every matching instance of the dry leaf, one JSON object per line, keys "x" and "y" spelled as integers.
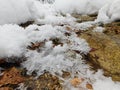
{"x": 5, "y": 88}
{"x": 36, "y": 45}
{"x": 11, "y": 76}
{"x": 76, "y": 81}
{"x": 2, "y": 61}
{"x": 89, "y": 86}
{"x": 68, "y": 28}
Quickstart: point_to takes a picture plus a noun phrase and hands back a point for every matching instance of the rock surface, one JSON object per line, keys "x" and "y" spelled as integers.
{"x": 105, "y": 49}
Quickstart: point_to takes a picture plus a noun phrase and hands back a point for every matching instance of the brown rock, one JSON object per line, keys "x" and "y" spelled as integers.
{"x": 113, "y": 31}
{"x": 112, "y": 28}
{"x": 105, "y": 53}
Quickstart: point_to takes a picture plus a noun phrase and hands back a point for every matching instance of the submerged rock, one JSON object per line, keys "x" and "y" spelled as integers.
{"x": 105, "y": 52}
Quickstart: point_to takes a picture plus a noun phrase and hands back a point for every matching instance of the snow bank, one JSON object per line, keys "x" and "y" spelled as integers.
{"x": 46, "y": 14}
{"x": 110, "y": 12}
{"x": 39, "y": 10}
{"x": 12, "y": 11}
{"x": 12, "y": 40}
{"x": 79, "y": 6}
{"x": 25, "y": 10}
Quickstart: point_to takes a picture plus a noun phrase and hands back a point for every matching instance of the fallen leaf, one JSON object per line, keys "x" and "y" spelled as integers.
{"x": 89, "y": 86}
{"x": 93, "y": 49}
{"x": 76, "y": 81}
{"x": 11, "y": 76}
{"x": 5, "y": 88}
{"x": 68, "y": 28}
{"x": 36, "y": 45}
{"x": 2, "y": 61}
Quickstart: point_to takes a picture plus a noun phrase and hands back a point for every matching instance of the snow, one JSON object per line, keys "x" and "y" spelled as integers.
{"x": 46, "y": 14}
{"x": 26, "y": 10}
{"x": 41, "y": 33}
{"x": 79, "y": 6}
{"x": 98, "y": 29}
{"x": 12, "y": 40}
{"x": 53, "y": 58}
{"x": 106, "y": 84}
{"x": 57, "y": 20}
{"x": 47, "y": 1}
{"x": 83, "y": 25}
{"x": 14, "y": 12}
{"x": 110, "y": 12}
{"x": 50, "y": 15}
{"x": 39, "y": 10}
{"x": 78, "y": 44}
